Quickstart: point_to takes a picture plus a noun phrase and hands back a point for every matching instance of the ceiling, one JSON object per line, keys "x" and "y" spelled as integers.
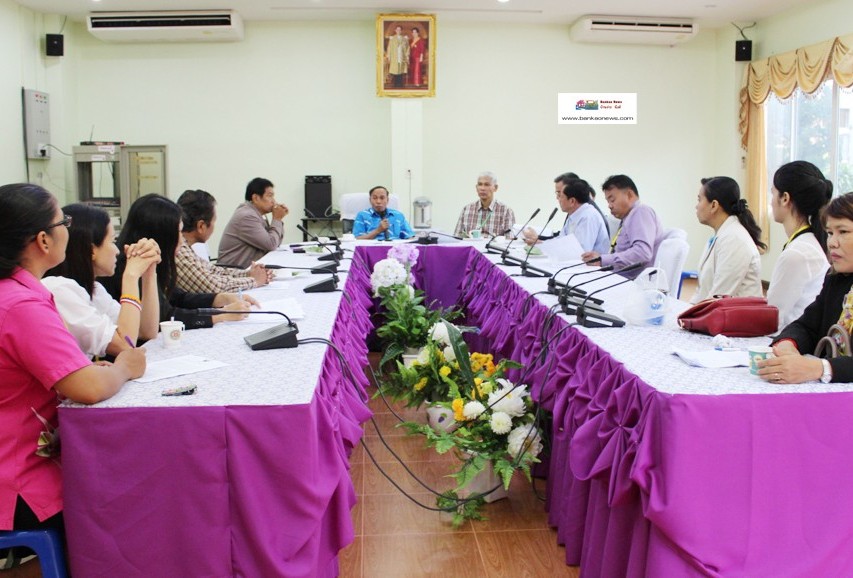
{"x": 706, "y": 13}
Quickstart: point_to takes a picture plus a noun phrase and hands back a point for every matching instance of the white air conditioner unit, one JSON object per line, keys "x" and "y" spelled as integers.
{"x": 632, "y": 30}
{"x": 167, "y": 26}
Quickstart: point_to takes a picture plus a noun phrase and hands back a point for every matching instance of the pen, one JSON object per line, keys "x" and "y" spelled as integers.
{"x": 126, "y": 338}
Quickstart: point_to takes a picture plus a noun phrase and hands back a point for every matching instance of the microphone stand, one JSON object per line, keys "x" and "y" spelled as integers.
{"x": 588, "y": 317}
{"x": 536, "y": 273}
{"x": 333, "y": 255}
{"x": 489, "y": 248}
{"x": 281, "y": 336}
{"x": 505, "y": 252}
{"x": 319, "y": 269}
{"x": 553, "y": 283}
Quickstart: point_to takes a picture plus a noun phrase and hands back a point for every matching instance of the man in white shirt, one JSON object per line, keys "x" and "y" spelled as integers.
{"x": 583, "y": 220}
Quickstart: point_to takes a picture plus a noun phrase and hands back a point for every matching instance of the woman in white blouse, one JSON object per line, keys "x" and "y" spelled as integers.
{"x": 730, "y": 263}
{"x": 101, "y": 325}
{"x": 800, "y": 192}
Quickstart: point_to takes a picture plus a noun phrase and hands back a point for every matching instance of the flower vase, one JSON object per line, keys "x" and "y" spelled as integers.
{"x": 410, "y": 355}
{"x": 482, "y": 483}
{"x": 440, "y": 418}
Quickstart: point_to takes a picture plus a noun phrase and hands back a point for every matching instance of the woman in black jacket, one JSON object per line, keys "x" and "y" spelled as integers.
{"x": 834, "y": 305}
{"x": 156, "y": 217}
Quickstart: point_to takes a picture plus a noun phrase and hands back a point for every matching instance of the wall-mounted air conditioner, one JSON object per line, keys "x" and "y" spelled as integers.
{"x": 167, "y": 26}
{"x": 632, "y": 30}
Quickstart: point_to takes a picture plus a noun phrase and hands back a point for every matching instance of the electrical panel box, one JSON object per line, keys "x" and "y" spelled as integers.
{"x": 36, "y": 124}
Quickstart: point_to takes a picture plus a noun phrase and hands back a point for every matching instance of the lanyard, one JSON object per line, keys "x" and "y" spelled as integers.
{"x": 797, "y": 233}
{"x": 614, "y": 239}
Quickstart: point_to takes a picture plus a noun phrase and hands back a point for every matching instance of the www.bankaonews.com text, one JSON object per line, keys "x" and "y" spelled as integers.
{"x": 596, "y": 118}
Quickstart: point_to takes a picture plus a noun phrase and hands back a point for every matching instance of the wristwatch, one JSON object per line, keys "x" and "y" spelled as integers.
{"x": 827, "y": 371}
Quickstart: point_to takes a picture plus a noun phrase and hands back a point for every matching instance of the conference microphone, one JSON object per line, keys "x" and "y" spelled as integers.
{"x": 536, "y": 272}
{"x": 489, "y": 248}
{"x": 589, "y": 317}
{"x": 427, "y": 239}
{"x": 553, "y": 283}
{"x": 505, "y": 252}
{"x": 279, "y": 337}
{"x": 319, "y": 269}
{"x": 332, "y": 256}
{"x": 568, "y": 299}
{"x": 571, "y": 289}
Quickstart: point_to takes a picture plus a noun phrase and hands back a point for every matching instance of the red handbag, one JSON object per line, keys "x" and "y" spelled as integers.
{"x": 731, "y": 316}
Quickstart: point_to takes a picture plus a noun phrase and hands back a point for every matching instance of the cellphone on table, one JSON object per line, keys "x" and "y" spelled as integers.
{"x": 180, "y": 390}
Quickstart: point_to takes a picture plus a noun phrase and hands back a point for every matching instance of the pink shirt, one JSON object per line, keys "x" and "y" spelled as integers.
{"x": 36, "y": 351}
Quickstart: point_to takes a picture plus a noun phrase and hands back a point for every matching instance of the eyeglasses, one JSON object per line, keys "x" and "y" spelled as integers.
{"x": 65, "y": 222}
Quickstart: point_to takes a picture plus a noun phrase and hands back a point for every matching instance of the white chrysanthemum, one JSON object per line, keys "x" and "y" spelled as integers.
{"x": 423, "y": 356}
{"x": 449, "y": 354}
{"x": 439, "y": 333}
{"x": 500, "y": 423}
{"x": 386, "y": 273}
{"x": 521, "y": 439}
{"x": 473, "y": 409}
{"x": 509, "y": 400}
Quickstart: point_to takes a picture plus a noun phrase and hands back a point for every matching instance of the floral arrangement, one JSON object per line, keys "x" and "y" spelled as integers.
{"x": 407, "y": 318}
{"x": 494, "y": 420}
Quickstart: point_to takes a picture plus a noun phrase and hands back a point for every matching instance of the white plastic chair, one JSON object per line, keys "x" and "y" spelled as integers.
{"x": 671, "y": 256}
{"x": 353, "y": 203}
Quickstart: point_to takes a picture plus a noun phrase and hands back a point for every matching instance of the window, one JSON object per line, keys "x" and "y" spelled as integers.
{"x": 816, "y": 128}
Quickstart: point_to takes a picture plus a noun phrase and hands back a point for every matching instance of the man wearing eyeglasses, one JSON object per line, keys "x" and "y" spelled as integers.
{"x": 248, "y": 236}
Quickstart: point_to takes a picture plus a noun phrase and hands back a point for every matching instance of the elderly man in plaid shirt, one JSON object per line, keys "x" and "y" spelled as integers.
{"x": 490, "y": 217}
{"x": 198, "y": 275}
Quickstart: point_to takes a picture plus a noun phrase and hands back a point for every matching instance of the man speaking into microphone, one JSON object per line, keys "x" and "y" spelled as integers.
{"x": 380, "y": 222}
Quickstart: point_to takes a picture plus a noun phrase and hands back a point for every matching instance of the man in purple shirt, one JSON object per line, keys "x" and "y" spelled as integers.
{"x": 639, "y": 234}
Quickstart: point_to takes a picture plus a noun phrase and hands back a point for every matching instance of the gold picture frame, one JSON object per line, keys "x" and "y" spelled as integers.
{"x": 405, "y": 55}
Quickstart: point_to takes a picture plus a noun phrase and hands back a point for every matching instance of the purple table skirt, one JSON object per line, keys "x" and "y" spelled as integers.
{"x": 649, "y": 484}
{"x": 220, "y": 491}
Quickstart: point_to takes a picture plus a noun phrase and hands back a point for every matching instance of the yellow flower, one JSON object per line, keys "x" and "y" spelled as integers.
{"x": 490, "y": 367}
{"x": 444, "y": 371}
{"x": 421, "y": 384}
{"x": 458, "y": 405}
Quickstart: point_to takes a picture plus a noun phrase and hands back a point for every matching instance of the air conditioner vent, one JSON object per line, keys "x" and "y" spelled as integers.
{"x": 169, "y": 26}
{"x": 633, "y": 30}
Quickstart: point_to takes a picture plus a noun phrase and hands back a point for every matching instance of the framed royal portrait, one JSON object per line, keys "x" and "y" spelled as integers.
{"x": 405, "y": 55}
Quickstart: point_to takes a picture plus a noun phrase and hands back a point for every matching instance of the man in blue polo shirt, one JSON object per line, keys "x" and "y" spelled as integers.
{"x": 380, "y": 222}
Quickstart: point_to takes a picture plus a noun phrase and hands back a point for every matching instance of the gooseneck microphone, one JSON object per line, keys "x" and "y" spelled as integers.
{"x": 596, "y": 317}
{"x": 573, "y": 289}
{"x": 535, "y": 272}
{"x": 489, "y": 248}
{"x": 505, "y": 252}
{"x": 553, "y": 283}
{"x": 319, "y": 269}
{"x": 572, "y": 296}
{"x": 278, "y": 337}
{"x": 332, "y": 256}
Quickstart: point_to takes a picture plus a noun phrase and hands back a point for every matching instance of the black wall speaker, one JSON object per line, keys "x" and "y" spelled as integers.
{"x": 318, "y": 196}
{"x": 743, "y": 50}
{"x": 54, "y": 45}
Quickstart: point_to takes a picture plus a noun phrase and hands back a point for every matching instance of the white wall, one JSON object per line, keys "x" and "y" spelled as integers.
{"x": 295, "y": 99}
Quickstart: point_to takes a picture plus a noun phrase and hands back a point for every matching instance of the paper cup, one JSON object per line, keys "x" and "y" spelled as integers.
{"x": 172, "y": 332}
{"x": 756, "y": 354}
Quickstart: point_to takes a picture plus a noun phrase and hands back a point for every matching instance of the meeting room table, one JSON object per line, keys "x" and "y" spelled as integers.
{"x": 655, "y": 468}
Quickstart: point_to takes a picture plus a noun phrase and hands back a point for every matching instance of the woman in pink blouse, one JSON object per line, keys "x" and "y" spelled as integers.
{"x": 39, "y": 360}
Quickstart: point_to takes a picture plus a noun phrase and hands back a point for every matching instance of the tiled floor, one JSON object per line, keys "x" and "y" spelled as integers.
{"x": 396, "y": 538}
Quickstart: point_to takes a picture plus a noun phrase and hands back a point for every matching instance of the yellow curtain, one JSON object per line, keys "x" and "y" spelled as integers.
{"x": 806, "y": 68}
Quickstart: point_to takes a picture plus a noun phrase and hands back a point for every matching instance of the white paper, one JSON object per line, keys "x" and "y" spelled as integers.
{"x": 183, "y": 365}
{"x": 560, "y": 249}
{"x": 713, "y": 358}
